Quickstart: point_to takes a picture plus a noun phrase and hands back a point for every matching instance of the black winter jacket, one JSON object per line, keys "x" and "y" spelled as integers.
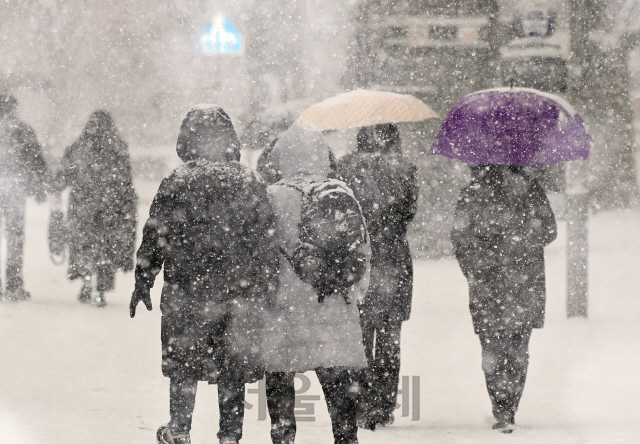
{"x": 212, "y": 228}
{"x": 23, "y": 170}
{"x": 102, "y": 212}
{"x": 498, "y": 238}
{"x": 387, "y": 189}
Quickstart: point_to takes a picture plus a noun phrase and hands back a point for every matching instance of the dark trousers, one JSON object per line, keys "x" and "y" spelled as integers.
{"x": 182, "y": 400}
{"x": 12, "y": 209}
{"x": 104, "y": 275}
{"x": 338, "y": 388}
{"x": 379, "y": 382}
{"x": 505, "y": 359}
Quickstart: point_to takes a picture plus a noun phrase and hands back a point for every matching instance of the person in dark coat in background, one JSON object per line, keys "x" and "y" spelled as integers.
{"x": 502, "y": 222}
{"x": 385, "y": 184}
{"x": 102, "y": 207}
{"x": 212, "y": 227}
{"x": 23, "y": 173}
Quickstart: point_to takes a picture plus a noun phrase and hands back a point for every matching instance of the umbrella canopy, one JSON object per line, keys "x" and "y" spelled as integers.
{"x": 513, "y": 126}
{"x": 363, "y": 107}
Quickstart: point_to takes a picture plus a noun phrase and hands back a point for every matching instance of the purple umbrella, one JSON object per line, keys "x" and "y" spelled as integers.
{"x": 513, "y": 126}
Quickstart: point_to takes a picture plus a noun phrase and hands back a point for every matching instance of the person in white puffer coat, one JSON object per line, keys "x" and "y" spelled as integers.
{"x": 302, "y": 334}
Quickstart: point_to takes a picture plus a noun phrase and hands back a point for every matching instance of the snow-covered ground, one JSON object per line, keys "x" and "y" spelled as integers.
{"x": 74, "y": 374}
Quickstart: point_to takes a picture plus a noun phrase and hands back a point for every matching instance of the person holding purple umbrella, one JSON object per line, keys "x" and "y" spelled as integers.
{"x": 502, "y": 222}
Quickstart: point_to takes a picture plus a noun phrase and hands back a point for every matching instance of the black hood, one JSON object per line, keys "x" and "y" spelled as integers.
{"x": 207, "y": 133}
{"x": 383, "y": 138}
{"x": 100, "y": 123}
{"x": 366, "y": 142}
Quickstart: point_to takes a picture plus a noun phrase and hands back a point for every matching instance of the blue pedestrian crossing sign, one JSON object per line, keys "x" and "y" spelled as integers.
{"x": 221, "y": 36}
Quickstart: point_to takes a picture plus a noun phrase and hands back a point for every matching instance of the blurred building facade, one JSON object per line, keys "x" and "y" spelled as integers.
{"x": 139, "y": 60}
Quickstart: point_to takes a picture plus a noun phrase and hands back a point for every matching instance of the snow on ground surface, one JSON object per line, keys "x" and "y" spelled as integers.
{"x": 74, "y": 374}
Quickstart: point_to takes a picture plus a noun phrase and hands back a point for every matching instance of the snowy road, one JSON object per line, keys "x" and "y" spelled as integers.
{"x": 74, "y": 374}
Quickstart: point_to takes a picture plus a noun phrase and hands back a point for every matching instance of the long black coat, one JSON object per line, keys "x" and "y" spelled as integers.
{"x": 212, "y": 228}
{"x": 102, "y": 202}
{"x": 386, "y": 187}
{"x": 498, "y": 238}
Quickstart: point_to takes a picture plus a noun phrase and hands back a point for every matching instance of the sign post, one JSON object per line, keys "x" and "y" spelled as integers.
{"x": 577, "y": 205}
{"x": 220, "y": 38}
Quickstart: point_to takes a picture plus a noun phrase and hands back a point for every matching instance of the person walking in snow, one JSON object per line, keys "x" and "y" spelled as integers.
{"x": 212, "y": 228}
{"x": 23, "y": 173}
{"x": 384, "y": 182}
{"x": 305, "y": 330}
{"x": 102, "y": 207}
{"x": 502, "y": 222}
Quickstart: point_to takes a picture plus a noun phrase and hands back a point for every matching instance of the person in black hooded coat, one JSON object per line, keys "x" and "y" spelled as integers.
{"x": 502, "y": 222}
{"x": 102, "y": 213}
{"x": 212, "y": 228}
{"x": 385, "y": 184}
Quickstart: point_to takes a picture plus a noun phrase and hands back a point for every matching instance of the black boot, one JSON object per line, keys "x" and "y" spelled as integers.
{"x": 505, "y": 422}
{"x": 85, "y": 292}
{"x": 164, "y": 436}
{"x": 18, "y": 294}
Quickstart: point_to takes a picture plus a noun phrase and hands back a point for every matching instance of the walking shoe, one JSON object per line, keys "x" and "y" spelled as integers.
{"x": 99, "y": 300}
{"x": 85, "y": 293}
{"x": 386, "y": 420}
{"x": 19, "y": 294}
{"x": 504, "y": 427}
{"x": 367, "y": 424}
{"x": 505, "y": 423}
{"x": 375, "y": 419}
{"x": 165, "y": 436}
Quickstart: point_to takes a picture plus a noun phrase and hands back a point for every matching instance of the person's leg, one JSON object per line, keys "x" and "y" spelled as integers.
{"x": 366, "y": 376}
{"x": 105, "y": 281}
{"x": 281, "y": 398}
{"x": 231, "y": 405}
{"x": 14, "y": 229}
{"x": 339, "y": 388}
{"x": 182, "y": 400}
{"x": 87, "y": 289}
{"x": 106, "y": 278}
{"x": 516, "y": 368}
{"x": 3, "y": 233}
{"x": 387, "y": 368}
{"x": 494, "y": 354}
{"x": 368, "y": 333}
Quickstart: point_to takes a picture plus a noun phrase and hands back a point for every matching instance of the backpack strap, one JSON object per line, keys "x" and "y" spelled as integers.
{"x": 291, "y": 184}
{"x": 301, "y": 184}
{"x": 284, "y": 254}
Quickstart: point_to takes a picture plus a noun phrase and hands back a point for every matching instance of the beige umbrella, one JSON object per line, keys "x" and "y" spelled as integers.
{"x": 363, "y": 107}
